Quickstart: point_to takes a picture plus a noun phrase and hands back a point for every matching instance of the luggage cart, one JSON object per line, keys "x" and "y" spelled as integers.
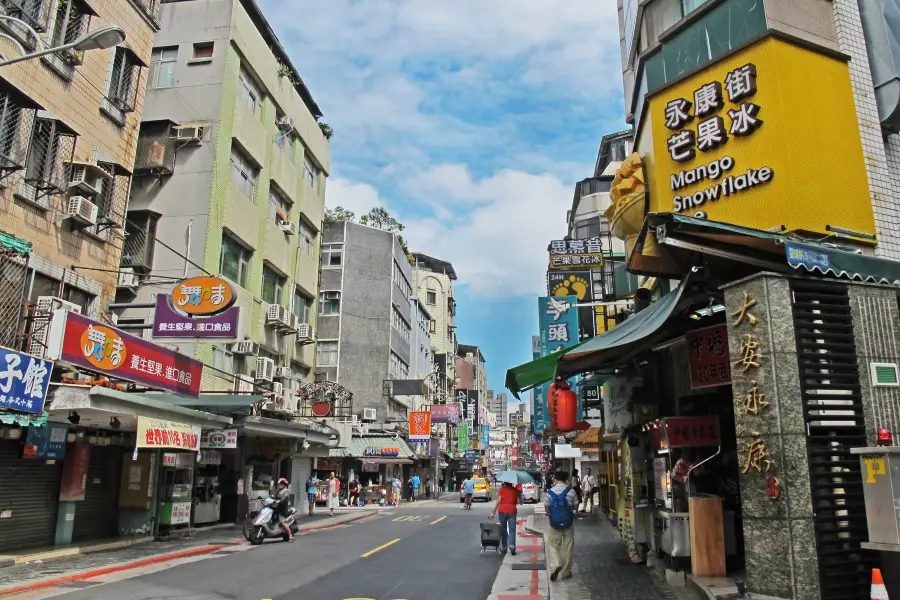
{"x": 490, "y": 536}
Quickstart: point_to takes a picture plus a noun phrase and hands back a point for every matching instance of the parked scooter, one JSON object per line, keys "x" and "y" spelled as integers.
{"x": 267, "y": 525}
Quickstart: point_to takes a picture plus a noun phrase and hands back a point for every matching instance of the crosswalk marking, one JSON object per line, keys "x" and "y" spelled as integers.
{"x": 408, "y": 518}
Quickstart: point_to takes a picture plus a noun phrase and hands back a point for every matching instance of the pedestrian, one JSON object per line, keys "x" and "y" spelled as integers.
{"x": 334, "y": 488}
{"x": 576, "y": 485}
{"x": 560, "y": 504}
{"x": 312, "y": 490}
{"x": 506, "y": 508}
{"x": 590, "y": 488}
{"x": 353, "y": 491}
{"x": 415, "y": 487}
{"x": 409, "y": 489}
{"x": 395, "y": 491}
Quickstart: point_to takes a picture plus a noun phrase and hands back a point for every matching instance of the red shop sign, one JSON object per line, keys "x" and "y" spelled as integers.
{"x": 709, "y": 356}
{"x": 685, "y": 432}
{"x": 77, "y": 340}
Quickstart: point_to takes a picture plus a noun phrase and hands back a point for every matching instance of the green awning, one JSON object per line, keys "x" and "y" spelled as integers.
{"x": 23, "y": 419}
{"x": 842, "y": 264}
{"x": 636, "y": 333}
{"x": 358, "y": 445}
{"x": 13, "y": 243}
{"x": 535, "y": 373}
{"x": 217, "y": 404}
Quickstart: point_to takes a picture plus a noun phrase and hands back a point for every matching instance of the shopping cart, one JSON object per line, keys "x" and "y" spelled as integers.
{"x": 490, "y": 536}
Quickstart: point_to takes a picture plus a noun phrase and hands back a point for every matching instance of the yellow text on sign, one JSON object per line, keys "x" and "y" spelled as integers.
{"x": 408, "y": 518}
{"x": 874, "y": 466}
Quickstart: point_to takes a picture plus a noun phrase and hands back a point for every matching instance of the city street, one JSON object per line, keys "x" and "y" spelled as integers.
{"x": 414, "y": 552}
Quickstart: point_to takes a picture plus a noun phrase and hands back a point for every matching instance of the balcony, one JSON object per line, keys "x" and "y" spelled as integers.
{"x": 140, "y": 240}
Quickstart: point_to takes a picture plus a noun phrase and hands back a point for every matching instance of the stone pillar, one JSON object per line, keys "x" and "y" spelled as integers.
{"x": 779, "y": 539}
{"x": 65, "y": 520}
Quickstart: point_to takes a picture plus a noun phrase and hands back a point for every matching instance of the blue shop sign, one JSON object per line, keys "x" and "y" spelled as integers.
{"x": 807, "y": 257}
{"x": 47, "y": 442}
{"x": 24, "y": 381}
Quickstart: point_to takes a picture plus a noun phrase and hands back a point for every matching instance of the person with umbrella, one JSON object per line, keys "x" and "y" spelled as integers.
{"x": 506, "y": 509}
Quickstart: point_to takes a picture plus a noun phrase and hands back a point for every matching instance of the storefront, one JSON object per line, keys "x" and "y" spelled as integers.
{"x": 375, "y": 460}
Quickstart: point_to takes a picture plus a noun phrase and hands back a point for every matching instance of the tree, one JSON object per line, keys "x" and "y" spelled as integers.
{"x": 380, "y": 218}
{"x": 333, "y": 215}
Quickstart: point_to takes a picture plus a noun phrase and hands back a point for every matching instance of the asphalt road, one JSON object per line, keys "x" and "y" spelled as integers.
{"x": 412, "y": 553}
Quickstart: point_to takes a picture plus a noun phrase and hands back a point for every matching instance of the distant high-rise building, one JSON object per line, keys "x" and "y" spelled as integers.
{"x": 498, "y": 406}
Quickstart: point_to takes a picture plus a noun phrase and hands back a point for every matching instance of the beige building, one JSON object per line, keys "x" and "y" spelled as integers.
{"x": 433, "y": 284}
{"x": 68, "y": 133}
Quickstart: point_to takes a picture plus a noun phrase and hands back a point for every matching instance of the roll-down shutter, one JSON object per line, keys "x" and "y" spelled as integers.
{"x": 97, "y": 516}
{"x": 301, "y": 469}
{"x": 29, "y": 492}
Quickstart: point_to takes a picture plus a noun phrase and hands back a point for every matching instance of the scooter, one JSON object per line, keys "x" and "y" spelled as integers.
{"x": 267, "y": 525}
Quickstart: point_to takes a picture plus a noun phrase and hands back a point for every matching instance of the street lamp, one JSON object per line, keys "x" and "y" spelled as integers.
{"x": 101, "y": 38}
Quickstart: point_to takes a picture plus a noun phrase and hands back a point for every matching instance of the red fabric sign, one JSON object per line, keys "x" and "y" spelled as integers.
{"x": 685, "y": 432}
{"x": 108, "y": 350}
{"x": 74, "y": 475}
{"x": 709, "y": 356}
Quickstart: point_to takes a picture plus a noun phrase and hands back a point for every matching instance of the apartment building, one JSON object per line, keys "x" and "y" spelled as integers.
{"x": 366, "y": 318}
{"x": 230, "y": 180}
{"x": 68, "y": 137}
{"x": 433, "y": 283}
{"x": 498, "y": 406}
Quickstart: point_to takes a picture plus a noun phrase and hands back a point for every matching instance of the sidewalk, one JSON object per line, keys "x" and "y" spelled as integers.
{"x": 44, "y": 572}
{"x": 523, "y": 576}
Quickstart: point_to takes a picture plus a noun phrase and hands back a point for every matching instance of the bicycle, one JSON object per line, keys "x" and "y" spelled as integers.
{"x": 469, "y": 501}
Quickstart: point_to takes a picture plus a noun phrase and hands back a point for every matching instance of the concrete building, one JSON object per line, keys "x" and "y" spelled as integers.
{"x": 230, "y": 180}
{"x": 68, "y": 134}
{"x": 366, "y": 317}
{"x": 433, "y": 284}
{"x": 421, "y": 356}
{"x": 498, "y": 406}
{"x": 517, "y": 415}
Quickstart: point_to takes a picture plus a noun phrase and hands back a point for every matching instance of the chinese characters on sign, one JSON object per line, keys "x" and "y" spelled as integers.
{"x": 227, "y": 438}
{"x": 462, "y": 431}
{"x": 419, "y": 426}
{"x": 446, "y": 413}
{"x": 565, "y": 254}
{"x": 485, "y": 436}
{"x": 47, "y": 442}
{"x": 809, "y": 258}
{"x": 373, "y": 451}
{"x": 24, "y": 381}
{"x": 107, "y": 350}
{"x": 203, "y": 296}
{"x": 181, "y": 513}
{"x": 169, "y": 323}
{"x": 710, "y": 359}
{"x": 682, "y": 432}
{"x": 711, "y": 133}
{"x": 157, "y": 433}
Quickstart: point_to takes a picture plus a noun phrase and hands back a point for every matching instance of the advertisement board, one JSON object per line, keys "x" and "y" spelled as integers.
{"x": 24, "y": 381}
{"x": 419, "y": 426}
{"x": 558, "y": 320}
{"x": 709, "y": 357}
{"x": 158, "y": 433}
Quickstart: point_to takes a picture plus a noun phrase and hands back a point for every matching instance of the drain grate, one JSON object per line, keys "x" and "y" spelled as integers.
{"x": 529, "y": 567}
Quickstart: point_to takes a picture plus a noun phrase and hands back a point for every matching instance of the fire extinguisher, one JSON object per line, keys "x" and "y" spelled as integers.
{"x": 563, "y": 405}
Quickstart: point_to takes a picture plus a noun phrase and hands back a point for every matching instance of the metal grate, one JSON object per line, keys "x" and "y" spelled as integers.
{"x": 50, "y": 151}
{"x": 70, "y": 22}
{"x": 13, "y": 277}
{"x": 32, "y": 12}
{"x": 833, "y": 413}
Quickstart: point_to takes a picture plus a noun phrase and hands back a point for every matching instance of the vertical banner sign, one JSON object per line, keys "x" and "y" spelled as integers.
{"x": 709, "y": 356}
{"x": 485, "y": 436}
{"x": 558, "y": 318}
{"x": 74, "y": 473}
{"x": 462, "y": 397}
{"x": 463, "y": 435}
{"x": 537, "y": 393}
{"x": 473, "y": 412}
{"x": 419, "y": 426}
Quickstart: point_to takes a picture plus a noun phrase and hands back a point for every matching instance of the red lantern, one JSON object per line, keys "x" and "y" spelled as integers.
{"x": 563, "y": 405}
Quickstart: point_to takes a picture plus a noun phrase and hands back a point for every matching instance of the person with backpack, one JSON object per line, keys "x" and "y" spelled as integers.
{"x": 560, "y": 504}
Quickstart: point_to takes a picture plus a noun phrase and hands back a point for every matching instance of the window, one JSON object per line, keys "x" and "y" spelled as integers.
{"x": 162, "y": 67}
{"x": 124, "y": 78}
{"x": 431, "y": 298}
{"x": 587, "y": 229}
{"x": 69, "y": 23}
{"x": 397, "y": 367}
{"x": 310, "y": 172}
{"x": 243, "y": 172}
{"x": 329, "y": 303}
{"x": 279, "y": 206}
{"x": 432, "y": 326}
{"x": 307, "y": 239}
{"x": 400, "y": 323}
{"x": 282, "y": 136}
{"x": 692, "y": 5}
{"x": 302, "y": 304}
{"x": 203, "y": 50}
{"x": 332, "y": 255}
{"x": 51, "y": 146}
{"x": 249, "y": 92}
{"x": 326, "y": 354}
{"x": 401, "y": 282}
{"x": 42, "y": 285}
{"x": 222, "y": 359}
{"x": 234, "y": 262}
{"x": 272, "y": 285}
{"x": 113, "y": 197}
{"x": 11, "y": 150}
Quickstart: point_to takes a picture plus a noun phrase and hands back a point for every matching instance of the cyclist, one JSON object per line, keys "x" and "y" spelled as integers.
{"x": 469, "y": 491}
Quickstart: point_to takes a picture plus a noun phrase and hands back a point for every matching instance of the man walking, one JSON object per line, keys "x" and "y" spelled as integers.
{"x": 415, "y": 487}
{"x": 312, "y": 488}
{"x": 590, "y": 488}
{"x": 560, "y": 504}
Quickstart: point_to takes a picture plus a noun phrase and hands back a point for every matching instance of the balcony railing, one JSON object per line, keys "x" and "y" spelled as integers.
{"x": 140, "y": 239}
{"x": 155, "y": 155}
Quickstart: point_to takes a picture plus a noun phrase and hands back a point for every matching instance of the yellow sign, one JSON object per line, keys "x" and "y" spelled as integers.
{"x": 203, "y": 296}
{"x": 874, "y": 466}
{"x": 768, "y": 137}
{"x": 157, "y": 433}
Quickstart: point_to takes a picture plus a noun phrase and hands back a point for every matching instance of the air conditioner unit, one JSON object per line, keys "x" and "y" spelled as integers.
{"x": 305, "y": 332}
{"x": 244, "y": 347}
{"x": 84, "y": 179}
{"x": 189, "y": 135}
{"x": 127, "y": 279}
{"x": 243, "y": 384}
{"x": 83, "y": 210}
{"x": 40, "y": 325}
{"x": 265, "y": 369}
{"x": 288, "y": 227}
{"x": 290, "y": 402}
{"x": 332, "y": 295}
{"x": 368, "y": 414}
{"x": 285, "y": 123}
{"x": 277, "y": 388}
{"x": 278, "y": 316}
{"x": 282, "y": 373}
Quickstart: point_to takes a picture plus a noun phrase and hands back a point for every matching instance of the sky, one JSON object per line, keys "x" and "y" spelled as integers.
{"x": 470, "y": 121}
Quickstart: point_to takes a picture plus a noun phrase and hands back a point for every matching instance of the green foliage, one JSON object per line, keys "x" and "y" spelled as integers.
{"x": 380, "y": 218}
{"x": 338, "y": 214}
{"x": 327, "y": 131}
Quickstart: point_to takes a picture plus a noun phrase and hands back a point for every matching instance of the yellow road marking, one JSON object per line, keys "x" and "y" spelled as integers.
{"x": 439, "y": 520}
{"x": 408, "y": 518}
{"x": 379, "y": 548}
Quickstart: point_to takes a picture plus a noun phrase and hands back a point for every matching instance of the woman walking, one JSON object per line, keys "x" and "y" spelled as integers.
{"x": 334, "y": 488}
{"x": 506, "y": 508}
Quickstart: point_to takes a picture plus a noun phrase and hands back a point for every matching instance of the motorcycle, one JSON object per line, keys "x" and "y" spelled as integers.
{"x": 267, "y": 525}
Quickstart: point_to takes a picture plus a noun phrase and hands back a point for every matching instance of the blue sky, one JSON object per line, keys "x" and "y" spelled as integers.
{"x": 471, "y": 121}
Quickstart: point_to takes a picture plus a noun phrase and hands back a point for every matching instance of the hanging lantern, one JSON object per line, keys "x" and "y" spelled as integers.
{"x": 563, "y": 405}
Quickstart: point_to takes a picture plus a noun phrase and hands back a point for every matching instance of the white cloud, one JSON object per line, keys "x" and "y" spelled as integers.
{"x": 359, "y": 198}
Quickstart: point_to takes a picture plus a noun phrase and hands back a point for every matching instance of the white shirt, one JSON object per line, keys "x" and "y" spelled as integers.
{"x": 588, "y": 481}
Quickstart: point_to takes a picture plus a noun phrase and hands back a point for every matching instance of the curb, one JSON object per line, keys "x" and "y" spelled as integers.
{"x": 114, "y": 569}
{"x": 338, "y": 524}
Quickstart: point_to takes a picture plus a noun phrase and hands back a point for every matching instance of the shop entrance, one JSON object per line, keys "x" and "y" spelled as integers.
{"x": 29, "y": 492}
{"x": 97, "y": 516}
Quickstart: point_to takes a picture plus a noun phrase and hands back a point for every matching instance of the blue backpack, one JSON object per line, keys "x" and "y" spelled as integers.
{"x": 561, "y": 515}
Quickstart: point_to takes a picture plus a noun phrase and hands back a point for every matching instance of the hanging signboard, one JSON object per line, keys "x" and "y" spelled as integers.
{"x": 419, "y": 426}
{"x": 227, "y": 438}
{"x": 157, "y": 433}
{"x": 203, "y": 296}
{"x": 24, "y": 381}
{"x": 446, "y": 413}
{"x": 709, "y": 356}
{"x": 80, "y": 341}
{"x": 47, "y": 442}
{"x": 169, "y": 323}
{"x": 568, "y": 254}
{"x": 462, "y": 431}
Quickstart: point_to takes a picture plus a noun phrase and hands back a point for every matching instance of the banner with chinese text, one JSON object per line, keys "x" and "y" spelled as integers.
{"x": 24, "y": 381}
{"x": 462, "y": 431}
{"x": 446, "y": 413}
{"x": 558, "y": 320}
{"x": 157, "y": 433}
{"x": 419, "y": 426}
{"x": 566, "y": 254}
{"x": 709, "y": 356}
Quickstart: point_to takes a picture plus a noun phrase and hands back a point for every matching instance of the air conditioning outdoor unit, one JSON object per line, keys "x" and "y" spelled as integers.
{"x": 127, "y": 279}
{"x": 332, "y": 295}
{"x": 244, "y": 347}
{"x": 282, "y": 373}
{"x": 84, "y": 179}
{"x": 278, "y": 389}
{"x": 288, "y": 227}
{"x": 369, "y": 414}
{"x": 190, "y": 135}
{"x": 290, "y": 402}
{"x": 285, "y": 123}
{"x": 40, "y": 327}
{"x": 278, "y": 316}
{"x": 305, "y": 332}
{"x": 83, "y": 210}
{"x": 265, "y": 369}
{"x": 243, "y": 384}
